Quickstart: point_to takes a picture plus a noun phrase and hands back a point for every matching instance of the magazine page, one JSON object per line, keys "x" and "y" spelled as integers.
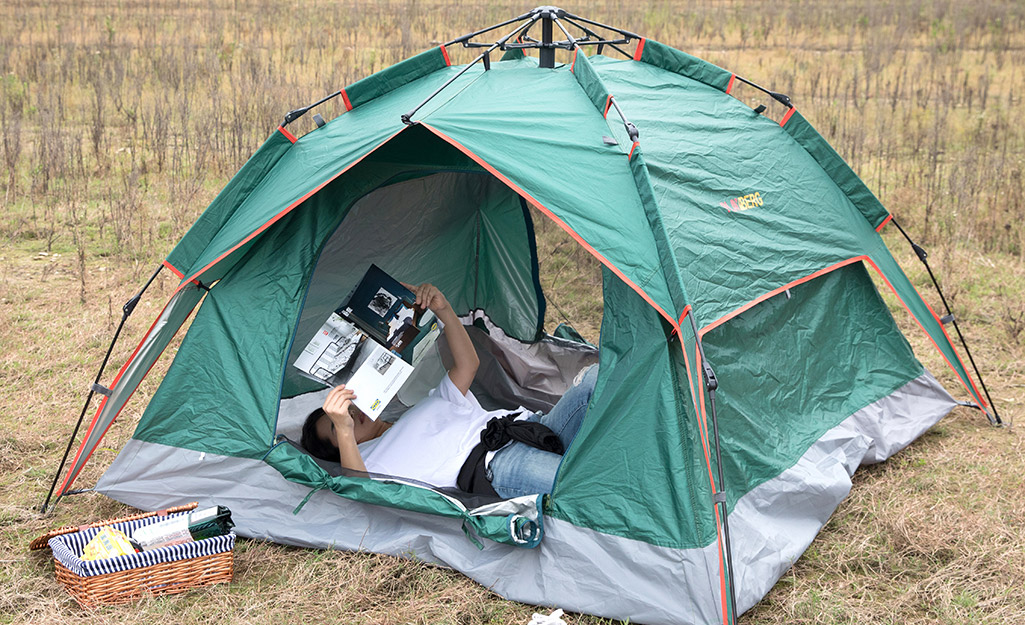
{"x": 372, "y": 342}
{"x": 379, "y": 374}
{"x": 331, "y": 350}
{"x": 383, "y": 308}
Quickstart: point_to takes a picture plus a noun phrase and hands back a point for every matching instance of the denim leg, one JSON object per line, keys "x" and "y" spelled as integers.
{"x": 568, "y": 413}
{"x": 518, "y": 469}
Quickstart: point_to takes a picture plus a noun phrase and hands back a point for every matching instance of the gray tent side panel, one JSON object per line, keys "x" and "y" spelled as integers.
{"x": 166, "y": 326}
{"x": 774, "y": 523}
{"x": 659, "y": 585}
{"x": 574, "y": 567}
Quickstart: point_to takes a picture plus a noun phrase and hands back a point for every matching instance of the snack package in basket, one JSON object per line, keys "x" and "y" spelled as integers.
{"x": 108, "y": 543}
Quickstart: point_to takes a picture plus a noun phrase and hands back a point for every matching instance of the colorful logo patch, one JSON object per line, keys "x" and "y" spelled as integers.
{"x": 743, "y": 203}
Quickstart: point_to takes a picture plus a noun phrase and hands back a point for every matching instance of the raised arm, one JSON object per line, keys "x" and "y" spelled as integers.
{"x": 336, "y": 407}
{"x": 464, "y": 356}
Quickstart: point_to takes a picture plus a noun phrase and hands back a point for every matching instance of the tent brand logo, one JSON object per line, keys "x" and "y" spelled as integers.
{"x": 743, "y": 203}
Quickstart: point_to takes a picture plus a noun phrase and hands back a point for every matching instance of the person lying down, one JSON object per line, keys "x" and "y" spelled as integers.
{"x": 448, "y": 439}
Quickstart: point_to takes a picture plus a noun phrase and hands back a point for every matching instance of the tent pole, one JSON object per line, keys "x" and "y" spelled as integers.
{"x": 465, "y": 38}
{"x": 126, "y": 311}
{"x": 407, "y": 118}
{"x": 601, "y": 42}
{"x": 711, "y": 384}
{"x": 546, "y": 54}
{"x": 922, "y": 255}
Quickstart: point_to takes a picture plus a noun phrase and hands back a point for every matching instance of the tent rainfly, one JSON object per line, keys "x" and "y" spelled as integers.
{"x": 726, "y": 239}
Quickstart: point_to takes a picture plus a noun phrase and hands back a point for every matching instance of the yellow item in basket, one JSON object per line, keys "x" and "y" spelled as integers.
{"x": 108, "y": 543}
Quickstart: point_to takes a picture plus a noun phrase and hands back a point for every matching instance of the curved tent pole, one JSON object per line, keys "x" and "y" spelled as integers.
{"x": 467, "y": 37}
{"x": 994, "y": 419}
{"x": 126, "y": 311}
{"x": 408, "y": 117}
{"x": 782, "y": 98}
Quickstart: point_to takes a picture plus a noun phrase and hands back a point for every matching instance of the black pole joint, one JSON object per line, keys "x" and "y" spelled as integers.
{"x": 632, "y": 131}
{"x": 782, "y": 98}
{"x": 131, "y": 304}
{"x": 291, "y": 116}
{"x": 711, "y": 382}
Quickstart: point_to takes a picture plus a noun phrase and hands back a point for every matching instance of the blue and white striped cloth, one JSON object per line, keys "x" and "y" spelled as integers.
{"x": 68, "y": 549}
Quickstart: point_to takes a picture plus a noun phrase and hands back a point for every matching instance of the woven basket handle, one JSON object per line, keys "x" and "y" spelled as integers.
{"x": 42, "y": 541}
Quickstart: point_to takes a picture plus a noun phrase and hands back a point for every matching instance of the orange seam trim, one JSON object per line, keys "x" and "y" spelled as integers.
{"x": 172, "y": 268}
{"x": 640, "y": 49}
{"x": 287, "y": 134}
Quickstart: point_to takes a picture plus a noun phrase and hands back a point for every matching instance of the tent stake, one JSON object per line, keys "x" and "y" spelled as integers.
{"x": 126, "y": 311}
{"x": 922, "y": 255}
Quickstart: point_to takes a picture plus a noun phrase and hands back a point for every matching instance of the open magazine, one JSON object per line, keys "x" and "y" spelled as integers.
{"x": 372, "y": 342}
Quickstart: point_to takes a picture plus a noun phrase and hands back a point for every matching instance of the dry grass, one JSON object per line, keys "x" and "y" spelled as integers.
{"x": 121, "y": 121}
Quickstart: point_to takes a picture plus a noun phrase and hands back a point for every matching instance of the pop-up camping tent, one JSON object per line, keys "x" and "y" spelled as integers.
{"x": 727, "y": 240}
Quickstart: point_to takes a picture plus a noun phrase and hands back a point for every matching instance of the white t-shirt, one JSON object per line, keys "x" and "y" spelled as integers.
{"x": 431, "y": 441}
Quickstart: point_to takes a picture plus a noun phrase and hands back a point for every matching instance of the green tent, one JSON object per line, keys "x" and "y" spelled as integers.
{"x": 747, "y": 362}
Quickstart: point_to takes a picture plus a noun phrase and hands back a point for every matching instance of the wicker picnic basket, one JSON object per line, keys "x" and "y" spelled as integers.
{"x": 166, "y": 570}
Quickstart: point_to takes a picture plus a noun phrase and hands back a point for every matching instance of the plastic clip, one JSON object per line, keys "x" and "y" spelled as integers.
{"x": 711, "y": 382}
{"x": 102, "y": 390}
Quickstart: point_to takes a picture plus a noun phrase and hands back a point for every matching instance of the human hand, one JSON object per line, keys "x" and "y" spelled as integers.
{"x": 428, "y": 296}
{"x": 337, "y": 406}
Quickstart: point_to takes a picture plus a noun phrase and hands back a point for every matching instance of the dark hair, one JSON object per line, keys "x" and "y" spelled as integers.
{"x": 313, "y": 444}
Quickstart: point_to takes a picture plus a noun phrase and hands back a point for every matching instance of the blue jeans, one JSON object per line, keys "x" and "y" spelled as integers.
{"x": 519, "y": 469}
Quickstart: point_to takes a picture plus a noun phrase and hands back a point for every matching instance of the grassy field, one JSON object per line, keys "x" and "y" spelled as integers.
{"x": 121, "y": 121}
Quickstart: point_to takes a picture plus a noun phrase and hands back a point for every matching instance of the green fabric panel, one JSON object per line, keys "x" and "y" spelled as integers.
{"x": 507, "y": 282}
{"x": 554, "y": 154}
{"x": 711, "y": 152}
{"x": 841, "y": 173}
{"x": 637, "y": 452}
{"x": 391, "y": 78}
{"x": 718, "y": 149}
{"x": 316, "y": 158}
{"x": 227, "y": 201}
{"x": 590, "y": 82}
{"x": 658, "y": 230}
{"x": 673, "y": 60}
{"x": 513, "y": 54}
{"x": 300, "y": 468}
{"x": 792, "y": 368}
{"x": 924, "y": 316}
{"x": 221, "y": 393}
